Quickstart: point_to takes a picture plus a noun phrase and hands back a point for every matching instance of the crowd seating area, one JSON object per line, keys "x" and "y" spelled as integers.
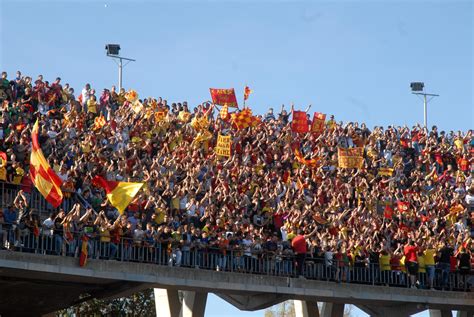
{"x": 407, "y": 214}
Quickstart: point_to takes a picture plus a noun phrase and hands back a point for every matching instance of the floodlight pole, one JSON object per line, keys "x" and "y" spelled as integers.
{"x": 121, "y": 66}
{"x": 425, "y": 105}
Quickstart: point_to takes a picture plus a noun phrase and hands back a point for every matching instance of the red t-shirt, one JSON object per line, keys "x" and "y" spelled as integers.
{"x": 410, "y": 253}
{"x": 299, "y": 244}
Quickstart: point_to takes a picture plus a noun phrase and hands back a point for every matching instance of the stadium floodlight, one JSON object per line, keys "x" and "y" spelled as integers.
{"x": 113, "y": 51}
{"x": 417, "y": 89}
{"x": 416, "y": 86}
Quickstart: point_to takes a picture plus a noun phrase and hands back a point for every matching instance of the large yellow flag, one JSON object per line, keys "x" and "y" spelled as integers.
{"x": 119, "y": 194}
{"x": 42, "y": 175}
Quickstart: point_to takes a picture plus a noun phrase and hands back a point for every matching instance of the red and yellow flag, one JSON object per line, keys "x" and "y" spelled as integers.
{"x": 99, "y": 122}
{"x": 224, "y": 97}
{"x": 119, "y": 194}
{"x": 244, "y": 119}
{"x": 42, "y": 175}
{"x": 351, "y": 158}
{"x": 300, "y": 122}
{"x": 224, "y": 113}
{"x": 247, "y": 92}
{"x": 300, "y": 158}
{"x": 84, "y": 252}
{"x": 319, "y": 124}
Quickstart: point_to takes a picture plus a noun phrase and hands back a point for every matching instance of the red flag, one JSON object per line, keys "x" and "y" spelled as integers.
{"x": 388, "y": 212}
{"x": 300, "y": 122}
{"x": 319, "y": 120}
{"x": 247, "y": 92}
{"x": 403, "y": 206}
{"x": 320, "y": 220}
{"x": 224, "y": 97}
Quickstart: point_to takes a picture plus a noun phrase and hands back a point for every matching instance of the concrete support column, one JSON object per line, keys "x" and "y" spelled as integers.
{"x": 332, "y": 310}
{"x": 440, "y": 313}
{"x": 167, "y": 303}
{"x": 306, "y": 309}
{"x": 194, "y": 304}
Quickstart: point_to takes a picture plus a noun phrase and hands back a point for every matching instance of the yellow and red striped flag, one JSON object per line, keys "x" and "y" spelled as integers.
{"x": 42, "y": 175}
{"x": 119, "y": 194}
{"x": 247, "y": 92}
{"x": 84, "y": 252}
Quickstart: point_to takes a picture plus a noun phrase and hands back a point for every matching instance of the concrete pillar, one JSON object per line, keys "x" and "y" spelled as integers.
{"x": 332, "y": 310}
{"x": 306, "y": 309}
{"x": 194, "y": 304}
{"x": 167, "y": 303}
{"x": 440, "y": 313}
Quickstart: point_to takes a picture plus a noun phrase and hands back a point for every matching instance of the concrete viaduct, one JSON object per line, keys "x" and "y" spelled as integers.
{"x": 35, "y": 285}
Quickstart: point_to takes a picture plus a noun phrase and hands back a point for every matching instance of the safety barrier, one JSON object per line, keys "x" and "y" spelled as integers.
{"x": 265, "y": 263}
{"x": 9, "y": 191}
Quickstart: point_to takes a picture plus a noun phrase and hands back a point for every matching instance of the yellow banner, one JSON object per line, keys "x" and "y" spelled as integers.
{"x": 351, "y": 158}
{"x": 223, "y": 145}
{"x": 385, "y": 171}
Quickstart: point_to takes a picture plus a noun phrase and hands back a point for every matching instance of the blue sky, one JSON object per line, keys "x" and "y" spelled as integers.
{"x": 353, "y": 59}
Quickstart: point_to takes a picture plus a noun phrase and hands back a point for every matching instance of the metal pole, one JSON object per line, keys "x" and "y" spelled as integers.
{"x": 120, "y": 77}
{"x": 425, "y": 103}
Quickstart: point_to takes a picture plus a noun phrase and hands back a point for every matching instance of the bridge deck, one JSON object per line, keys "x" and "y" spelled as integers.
{"x": 59, "y": 282}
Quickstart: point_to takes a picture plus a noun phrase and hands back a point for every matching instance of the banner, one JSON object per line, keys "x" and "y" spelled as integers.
{"x": 318, "y": 125}
{"x": 300, "y": 122}
{"x": 351, "y": 158}
{"x": 223, "y": 145}
{"x": 385, "y": 171}
{"x": 224, "y": 97}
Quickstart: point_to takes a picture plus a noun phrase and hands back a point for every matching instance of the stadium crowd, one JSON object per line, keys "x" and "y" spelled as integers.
{"x": 410, "y": 208}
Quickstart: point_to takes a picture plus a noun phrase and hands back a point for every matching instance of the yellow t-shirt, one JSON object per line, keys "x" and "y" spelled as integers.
{"x": 421, "y": 264}
{"x": 91, "y": 106}
{"x": 160, "y": 216}
{"x": 402, "y": 264}
{"x": 429, "y": 256}
{"x": 104, "y": 235}
{"x": 459, "y": 144}
{"x": 19, "y": 172}
{"x": 384, "y": 262}
{"x": 3, "y": 173}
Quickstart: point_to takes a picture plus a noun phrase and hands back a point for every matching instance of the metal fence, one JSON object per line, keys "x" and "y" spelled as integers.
{"x": 9, "y": 191}
{"x": 271, "y": 264}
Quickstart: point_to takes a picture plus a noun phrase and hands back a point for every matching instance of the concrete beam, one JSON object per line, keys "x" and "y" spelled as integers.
{"x": 306, "y": 309}
{"x": 167, "y": 302}
{"x": 392, "y": 310}
{"x": 332, "y": 310}
{"x": 253, "y": 301}
{"x": 99, "y": 274}
{"x": 440, "y": 313}
{"x": 194, "y": 304}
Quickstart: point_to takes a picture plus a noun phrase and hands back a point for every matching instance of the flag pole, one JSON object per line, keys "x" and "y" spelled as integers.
{"x": 244, "y": 94}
